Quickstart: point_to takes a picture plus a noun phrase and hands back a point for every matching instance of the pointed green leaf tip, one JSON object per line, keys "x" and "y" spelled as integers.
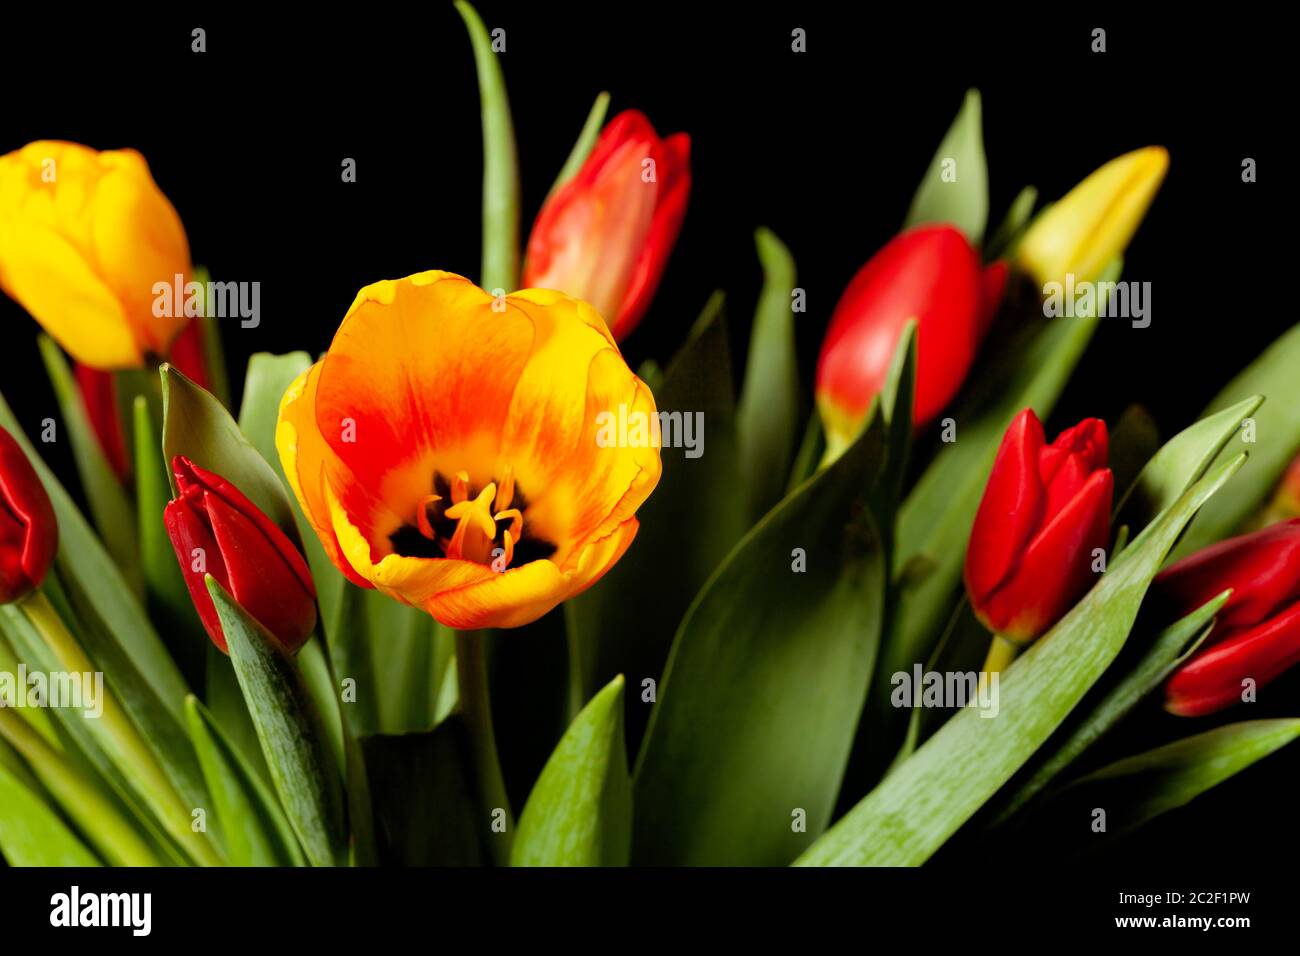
{"x": 580, "y": 810}
{"x": 768, "y": 411}
{"x": 955, "y": 188}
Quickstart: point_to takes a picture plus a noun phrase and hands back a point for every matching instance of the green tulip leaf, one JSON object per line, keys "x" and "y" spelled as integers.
{"x": 214, "y": 354}
{"x": 253, "y": 827}
{"x": 928, "y": 797}
{"x": 687, "y": 526}
{"x": 955, "y": 189}
{"x": 754, "y": 720}
{"x": 1182, "y": 460}
{"x": 110, "y": 506}
{"x": 93, "y": 811}
{"x": 96, "y": 585}
{"x": 1111, "y": 701}
{"x": 586, "y": 141}
{"x": 198, "y": 426}
{"x": 31, "y": 834}
{"x": 767, "y": 415}
{"x": 1272, "y": 436}
{"x": 133, "y": 741}
{"x": 811, "y": 449}
{"x": 265, "y": 382}
{"x": 500, "y": 265}
{"x": 166, "y": 595}
{"x": 306, "y": 775}
{"x": 84, "y": 741}
{"x": 1140, "y": 788}
{"x": 225, "y": 702}
{"x": 580, "y": 810}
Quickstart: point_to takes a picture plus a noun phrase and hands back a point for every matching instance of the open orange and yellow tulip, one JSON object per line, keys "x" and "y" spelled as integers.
{"x": 84, "y": 237}
{"x": 445, "y": 449}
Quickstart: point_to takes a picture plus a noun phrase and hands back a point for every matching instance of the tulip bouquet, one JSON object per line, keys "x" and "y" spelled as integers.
{"x": 269, "y": 638}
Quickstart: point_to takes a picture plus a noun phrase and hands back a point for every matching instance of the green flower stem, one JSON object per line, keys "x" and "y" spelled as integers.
{"x": 500, "y": 265}
{"x": 1002, "y": 651}
{"x": 476, "y": 708}
{"x": 134, "y": 753}
{"x": 80, "y": 799}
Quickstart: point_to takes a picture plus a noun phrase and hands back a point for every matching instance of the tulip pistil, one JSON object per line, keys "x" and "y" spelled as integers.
{"x": 485, "y": 526}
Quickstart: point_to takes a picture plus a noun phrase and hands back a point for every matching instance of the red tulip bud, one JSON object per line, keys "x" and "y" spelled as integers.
{"x": 29, "y": 533}
{"x": 1257, "y": 631}
{"x": 1045, "y": 510}
{"x": 605, "y": 235}
{"x": 216, "y": 530}
{"x": 932, "y": 274}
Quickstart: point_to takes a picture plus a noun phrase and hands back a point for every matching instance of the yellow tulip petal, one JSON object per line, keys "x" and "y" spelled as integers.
{"x": 1095, "y": 221}
{"x": 303, "y": 455}
{"x": 85, "y": 237}
{"x": 51, "y": 279}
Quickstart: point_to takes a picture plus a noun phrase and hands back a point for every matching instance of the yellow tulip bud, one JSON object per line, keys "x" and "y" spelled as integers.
{"x": 1094, "y": 222}
{"x": 85, "y": 236}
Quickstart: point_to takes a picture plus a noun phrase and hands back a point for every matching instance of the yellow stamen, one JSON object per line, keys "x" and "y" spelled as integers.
{"x": 516, "y": 519}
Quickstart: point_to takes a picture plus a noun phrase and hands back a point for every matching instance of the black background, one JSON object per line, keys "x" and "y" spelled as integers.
{"x": 825, "y": 147}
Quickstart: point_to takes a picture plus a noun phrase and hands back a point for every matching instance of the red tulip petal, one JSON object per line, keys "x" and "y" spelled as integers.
{"x": 1262, "y": 568}
{"x": 187, "y": 527}
{"x": 1010, "y": 510}
{"x": 263, "y": 576}
{"x": 30, "y": 535}
{"x": 929, "y": 273}
{"x": 1066, "y": 483}
{"x": 1212, "y": 680}
{"x": 670, "y": 210}
{"x": 188, "y": 474}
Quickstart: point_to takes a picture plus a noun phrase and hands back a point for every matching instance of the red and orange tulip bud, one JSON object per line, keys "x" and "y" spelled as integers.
{"x": 1257, "y": 632}
{"x": 216, "y": 530}
{"x": 29, "y": 533}
{"x": 1045, "y": 512}
{"x": 932, "y": 274}
{"x": 606, "y": 234}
